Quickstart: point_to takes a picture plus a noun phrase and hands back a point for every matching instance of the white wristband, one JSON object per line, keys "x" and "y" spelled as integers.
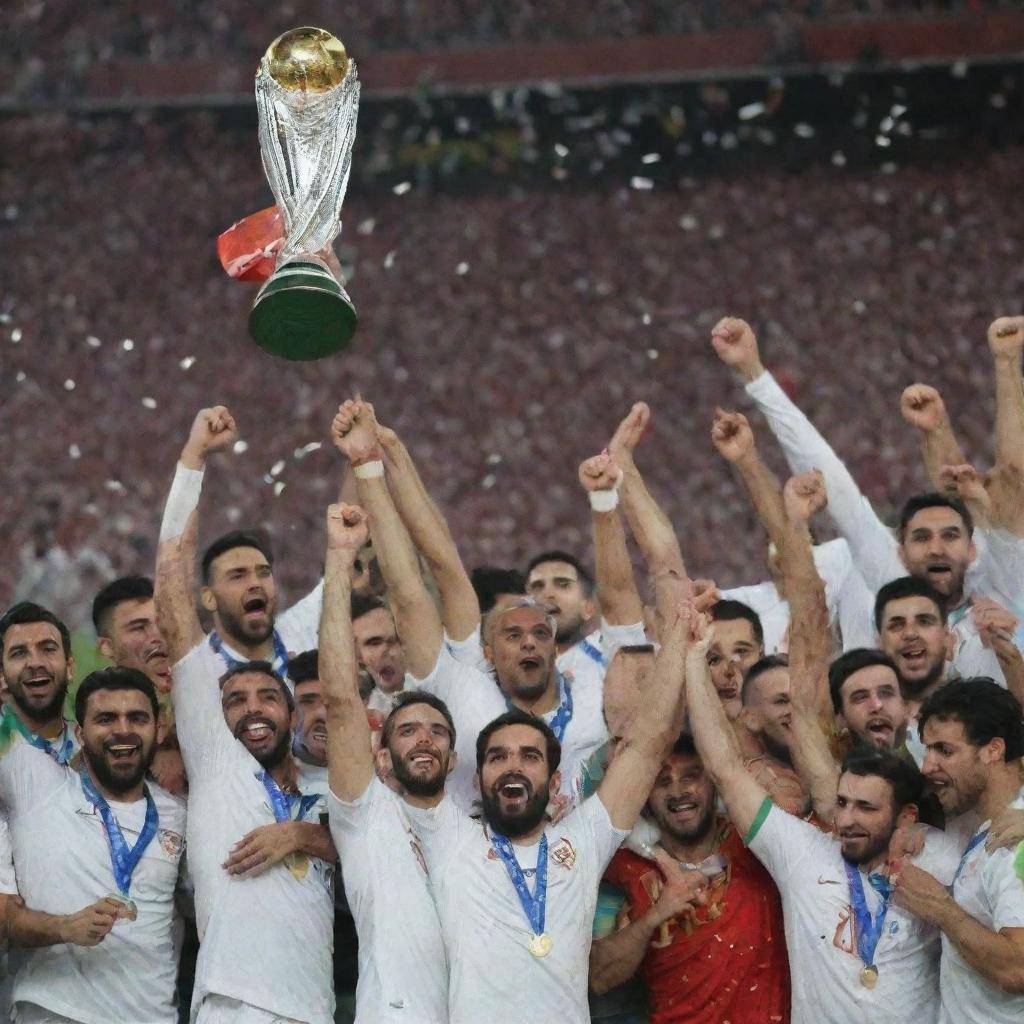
{"x": 604, "y": 501}
{"x": 369, "y": 470}
{"x": 181, "y": 502}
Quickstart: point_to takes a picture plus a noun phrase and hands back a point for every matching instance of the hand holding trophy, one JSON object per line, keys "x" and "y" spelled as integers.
{"x": 307, "y": 95}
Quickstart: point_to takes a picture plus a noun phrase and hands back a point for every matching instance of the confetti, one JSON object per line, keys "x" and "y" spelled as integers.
{"x": 16, "y": 335}
{"x": 188, "y": 362}
{"x": 402, "y": 187}
{"x": 239, "y": 447}
{"x": 561, "y": 151}
{"x": 641, "y": 184}
{"x": 366, "y": 227}
{"x": 389, "y": 260}
{"x": 650, "y": 158}
{"x": 652, "y": 353}
{"x": 750, "y": 111}
{"x": 301, "y": 453}
{"x": 69, "y": 385}
{"x": 462, "y": 269}
{"x": 149, "y": 403}
{"x": 277, "y": 468}
{"x": 127, "y": 344}
{"x": 20, "y": 376}
{"x": 93, "y": 342}
{"x": 74, "y": 451}
{"x": 278, "y": 488}
{"x": 115, "y": 486}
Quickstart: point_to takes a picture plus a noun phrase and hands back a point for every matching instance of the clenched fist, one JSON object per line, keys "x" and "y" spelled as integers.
{"x": 213, "y": 430}
{"x": 922, "y": 407}
{"x": 735, "y": 344}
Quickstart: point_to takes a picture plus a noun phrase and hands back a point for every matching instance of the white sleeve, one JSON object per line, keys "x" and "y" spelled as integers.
{"x": 469, "y": 651}
{"x": 27, "y": 775}
{"x": 8, "y": 881}
{"x": 781, "y": 842}
{"x": 605, "y": 838}
{"x": 1000, "y": 568}
{"x": 759, "y": 597}
{"x": 203, "y": 734}
{"x": 299, "y": 626}
{"x": 872, "y": 544}
{"x": 348, "y": 817}
{"x": 471, "y": 695}
{"x": 1004, "y": 890}
{"x": 940, "y": 856}
{"x": 850, "y": 602}
{"x": 614, "y": 637}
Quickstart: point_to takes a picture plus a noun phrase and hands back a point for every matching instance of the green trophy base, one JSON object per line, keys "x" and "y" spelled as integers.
{"x": 302, "y": 313}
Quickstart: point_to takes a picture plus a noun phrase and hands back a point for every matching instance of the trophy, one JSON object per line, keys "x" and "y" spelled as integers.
{"x": 307, "y": 95}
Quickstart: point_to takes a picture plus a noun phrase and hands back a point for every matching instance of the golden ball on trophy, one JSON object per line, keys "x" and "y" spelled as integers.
{"x": 307, "y": 60}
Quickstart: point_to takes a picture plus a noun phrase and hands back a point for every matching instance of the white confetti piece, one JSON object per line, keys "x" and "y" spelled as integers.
{"x": 74, "y": 451}
{"x": 278, "y": 488}
{"x": 116, "y": 486}
{"x": 561, "y": 150}
{"x": 366, "y": 226}
{"x": 652, "y": 353}
{"x": 750, "y": 111}
{"x": 301, "y": 453}
{"x": 402, "y": 187}
{"x": 127, "y": 344}
{"x": 149, "y": 403}
{"x": 16, "y": 335}
{"x": 651, "y": 158}
{"x": 462, "y": 269}
{"x": 277, "y": 468}
{"x": 93, "y": 342}
{"x": 641, "y": 184}
{"x": 69, "y": 385}
{"x": 188, "y": 362}
{"x": 389, "y": 260}
{"x": 239, "y": 447}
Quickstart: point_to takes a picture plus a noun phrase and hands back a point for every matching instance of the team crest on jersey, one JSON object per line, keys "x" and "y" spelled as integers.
{"x": 172, "y": 842}
{"x": 563, "y": 854}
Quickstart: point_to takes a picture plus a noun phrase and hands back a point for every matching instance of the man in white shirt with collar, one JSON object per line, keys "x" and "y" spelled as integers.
{"x": 519, "y": 638}
{"x": 97, "y": 855}
{"x": 403, "y": 969}
{"x": 516, "y": 893}
{"x": 974, "y": 737}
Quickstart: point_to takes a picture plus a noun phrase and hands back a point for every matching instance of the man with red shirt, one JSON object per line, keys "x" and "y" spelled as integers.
{"x": 704, "y": 924}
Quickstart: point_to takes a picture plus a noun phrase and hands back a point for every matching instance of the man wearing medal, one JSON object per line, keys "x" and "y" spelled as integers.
{"x": 518, "y": 638}
{"x": 103, "y": 837}
{"x": 974, "y": 740}
{"x": 515, "y": 892}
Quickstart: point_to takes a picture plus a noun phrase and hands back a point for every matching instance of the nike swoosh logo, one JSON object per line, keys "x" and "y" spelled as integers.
{"x": 828, "y": 881}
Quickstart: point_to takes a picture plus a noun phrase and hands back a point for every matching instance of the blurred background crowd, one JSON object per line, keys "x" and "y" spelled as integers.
{"x": 526, "y": 261}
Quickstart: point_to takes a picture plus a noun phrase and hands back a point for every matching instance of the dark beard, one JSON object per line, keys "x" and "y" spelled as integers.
{"x": 695, "y": 834}
{"x": 519, "y": 824}
{"x": 571, "y": 635}
{"x": 49, "y": 711}
{"x": 913, "y": 687}
{"x": 416, "y": 785}
{"x": 234, "y": 627}
{"x": 111, "y": 781}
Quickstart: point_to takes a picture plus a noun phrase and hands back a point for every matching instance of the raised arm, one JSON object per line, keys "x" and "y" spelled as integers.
{"x": 416, "y": 618}
{"x": 659, "y": 719}
{"x": 349, "y": 753}
{"x": 651, "y": 528}
{"x": 872, "y": 543}
{"x": 616, "y": 589}
{"x": 430, "y": 534}
{"x": 1006, "y": 485}
{"x": 212, "y": 431}
{"x": 922, "y": 407}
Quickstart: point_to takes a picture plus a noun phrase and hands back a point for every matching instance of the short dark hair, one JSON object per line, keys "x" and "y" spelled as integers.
{"x": 408, "y": 698}
{"x": 241, "y": 668}
{"x": 729, "y": 611}
{"x": 986, "y": 710}
{"x": 489, "y": 581}
{"x": 304, "y": 667}
{"x": 257, "y": 539}
{"x": 115, "y": 678}
{"x": 24, "y": 613}
{"x": 762, "y": 665}
{"x": 933, "y": 499}
{"x": 852, "y": 661}
{"x": 903, "y": 775}
{"x": 127, "y": 588}
{"x": 907, "y": 586}
{"x": 363, "y": 604}
{"x": 685, "y": 746}
{"x": 516, "y": 716}
{"x": 583, "y": 574}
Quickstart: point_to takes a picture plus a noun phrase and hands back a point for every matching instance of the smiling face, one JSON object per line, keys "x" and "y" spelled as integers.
{"x": 872, "y": 707}
{"x": 556, "y": 586}
{"x": 865, "y": 816}
{"x": 522, "y": 650}
{"x": 733, "y": 650}
{"x": 311, "y": 719}
{"x": 914, "y": 636}
{"x": 419, "y": 749}
{"x": 936, "y": 547}
{"x": 257, "y": 714}
{"x": 133, "y": 640}
{"x": 36, "y": 670}
{"x": 118, "y": 735}
{"x": 242, "y": 595}
{"x": 954, "y": 769}
{"x": 379, "y": 650}
{"x": 515, "y": 780}
{"x": 682, "y": 802}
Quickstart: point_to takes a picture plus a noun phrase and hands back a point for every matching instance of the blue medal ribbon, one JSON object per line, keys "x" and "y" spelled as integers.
{"x": 869, "y": 929}
{"x": 282, "y": 803}
{"x": 61, "y": 750}
{"x": 279, "y": 662}
{"x": 123, "y": 859}
{"x": 533, "y": 905}
{"x": 976, "y": 840}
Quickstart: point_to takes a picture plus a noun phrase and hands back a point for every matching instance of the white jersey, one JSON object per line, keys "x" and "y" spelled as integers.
{"x": 989, "y": 890}
{"x": 493, "y": 975}
{"x": 266, "y": 941}
{"x": 808, "y": 868}
{"x": 403, "y": 971}
{"x": 62, "y": 860}
{"x": 851, "y": 605}
{"x": 474, "y": 699}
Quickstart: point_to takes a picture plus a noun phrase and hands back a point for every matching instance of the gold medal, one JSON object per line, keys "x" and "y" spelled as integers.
{"x": 540, "y": 945}
{"x": 869, "y": 976}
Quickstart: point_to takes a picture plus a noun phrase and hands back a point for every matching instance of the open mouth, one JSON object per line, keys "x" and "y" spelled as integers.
{"x": 914, "y": 657}
{"x": 728, "y": 692}
{"x": 529, "y": 663}
{"x": 38, "y": 685}
{"x": 422, "y": 759}
{"x": 255, "y": 730}
{"x": 122, "y": 752}
{"x": 255, "y": 606}
{"x": 514, "y": 791}
{"x": 681, "y": 805}
{"x": 880, "y": 729}
{"x": 318, "y": 735}
{"x": 939, "y": 572}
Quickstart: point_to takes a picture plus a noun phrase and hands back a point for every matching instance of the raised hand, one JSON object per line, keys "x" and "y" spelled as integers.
{"x": 354, "y": 432}
{"x": 735, "y": 344}
{"x": 1006, "y": 336}
{"x": 705, "y": 595}
{"x": 732, "y": 436}
{"x": 630, "y": 431}
{"x": 804, "y": 495}
{"x": 212, "y": 431}
{"x": 995, "y": 624}
{"x": 922, "y": 407}
{"x": 600, "y": 473}
{"x": 347, "y": 528}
